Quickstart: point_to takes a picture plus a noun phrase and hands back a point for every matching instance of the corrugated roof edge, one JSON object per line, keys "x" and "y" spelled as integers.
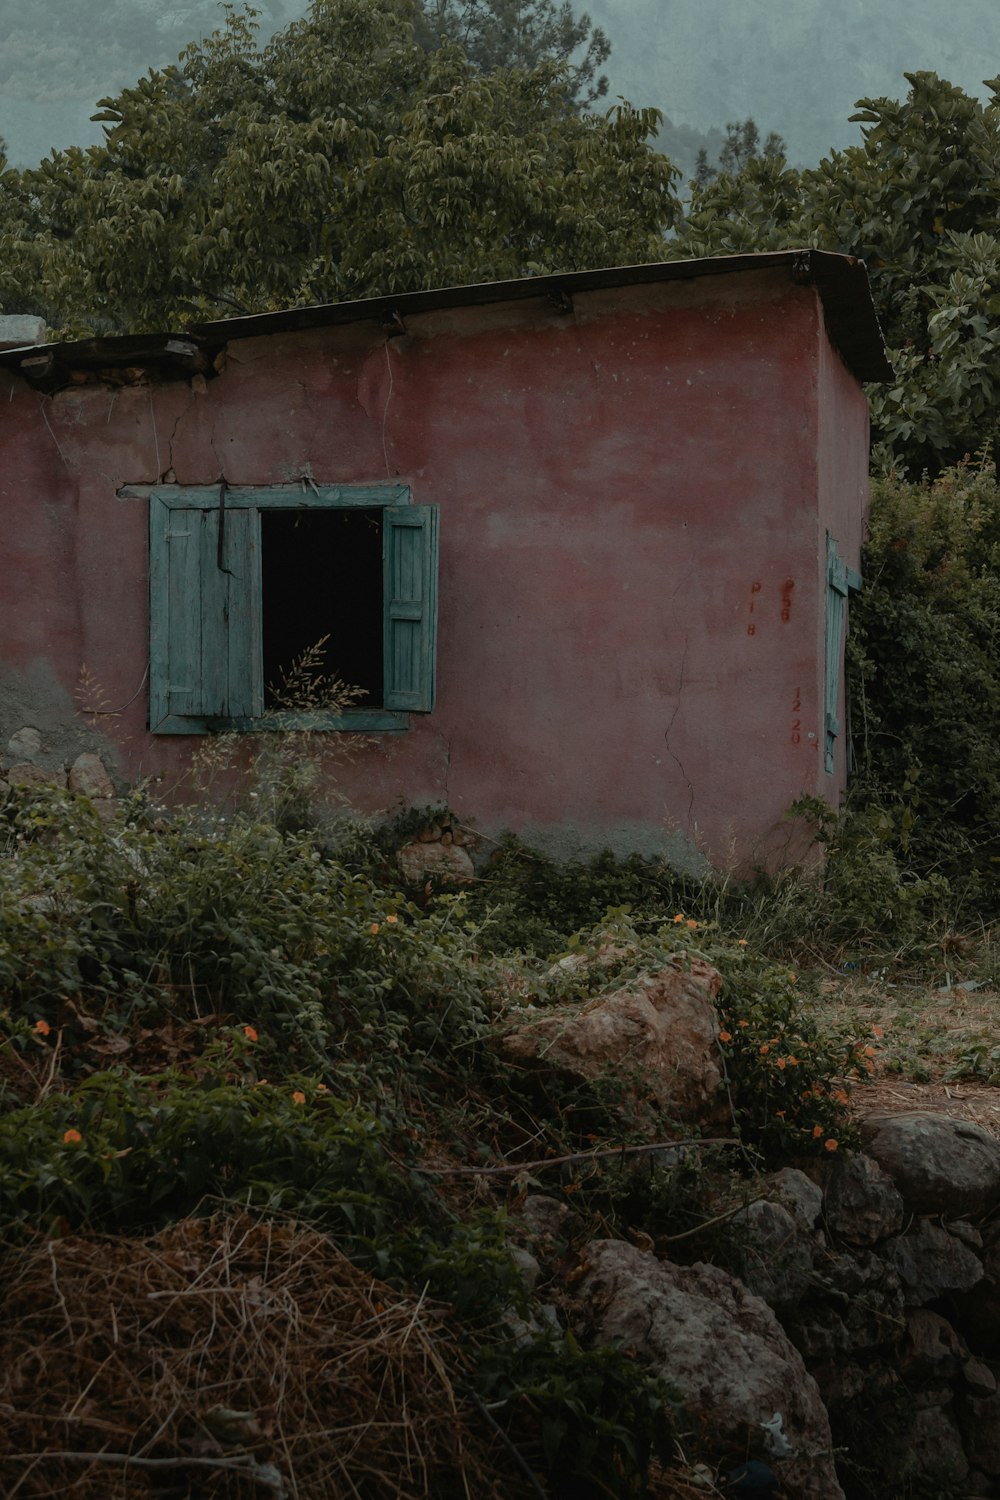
{"x": 841, "y": 280}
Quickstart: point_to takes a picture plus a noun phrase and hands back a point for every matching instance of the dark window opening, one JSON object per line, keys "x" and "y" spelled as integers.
{"x": 322, "y": 576}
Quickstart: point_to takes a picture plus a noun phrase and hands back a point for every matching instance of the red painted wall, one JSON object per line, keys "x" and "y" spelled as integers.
{"x": 634, "y": 499}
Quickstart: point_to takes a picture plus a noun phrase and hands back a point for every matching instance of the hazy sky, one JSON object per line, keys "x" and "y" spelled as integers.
{"x": 797, "y": 66}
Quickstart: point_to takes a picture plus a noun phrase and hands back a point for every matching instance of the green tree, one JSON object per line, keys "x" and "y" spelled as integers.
{"x": 341, "y": 160}
{"x": 741, "y": 146}
{"x": 919, "y": 201}
{"x": 522, "y": 34}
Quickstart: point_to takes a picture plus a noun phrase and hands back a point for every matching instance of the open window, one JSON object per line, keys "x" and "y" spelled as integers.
{"x": 243, "y": 581}
{"x": 840, "y": 580}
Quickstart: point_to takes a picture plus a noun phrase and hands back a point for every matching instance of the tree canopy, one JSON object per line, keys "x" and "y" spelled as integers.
{"x": 343, "y": 159}
{"x": 919, "y": 201}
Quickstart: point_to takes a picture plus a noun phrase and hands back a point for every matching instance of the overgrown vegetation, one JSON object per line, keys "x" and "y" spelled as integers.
{"x": 204, "y": 1015}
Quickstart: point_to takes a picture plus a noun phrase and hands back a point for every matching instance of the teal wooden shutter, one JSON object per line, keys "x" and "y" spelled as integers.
{"x": 839, "y": 579}
{"x": 409, "y": 574}
{"x": 205, "y": 656}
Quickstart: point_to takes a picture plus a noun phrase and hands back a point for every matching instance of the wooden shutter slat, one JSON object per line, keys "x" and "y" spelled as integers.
{"x": 409, "y": 561}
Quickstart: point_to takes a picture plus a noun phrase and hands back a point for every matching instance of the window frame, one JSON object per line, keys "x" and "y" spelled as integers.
{"x": 244, "y": 503}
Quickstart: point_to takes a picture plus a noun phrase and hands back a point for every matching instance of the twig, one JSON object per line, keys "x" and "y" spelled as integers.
{"x": 559, "y": 1161}
{"x": 515, "y": 1455}
{"x": 248, "y": 1466}
{"x": 671, "y": 1239}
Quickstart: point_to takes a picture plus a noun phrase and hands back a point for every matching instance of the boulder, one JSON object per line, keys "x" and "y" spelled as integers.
{"x": 861, "y": 1201}
{"x": 89, "y": 777}
{"x": 725, "y": 1354}
{"x": 420, "y": 862}
{"x": 979, "y": 1417}
{"x": 927, "y": 1453}
{"x": 931, "y": 1262}
{"x": 655, "y": 1040}
{"x": 23, "y": 773}
{"x": 798, "y": 1193}
{"x": 931, "y": 1350}
{"x": 778, "y": 1252}
{"x": 939, "y": 1164}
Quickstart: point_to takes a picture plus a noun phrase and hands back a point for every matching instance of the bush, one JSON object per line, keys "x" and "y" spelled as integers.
{"x": 925, "y": 693}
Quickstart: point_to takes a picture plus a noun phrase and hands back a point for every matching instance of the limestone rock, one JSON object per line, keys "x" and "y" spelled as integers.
{"x": 25, "y": 744}
{"x": 420, "y": 862}
{"x": 656, "y": 1038}
{"x": 798, "y": 1193}
{"x": 89, "y": 777}
{"x": 939, "y": 1164}
{"x": 777, "y": 1256}
{"x": 723, "y": 1350}
{"x": 931, "y": 1350}
{"x": 928, "y": 1451}
{"x": 862, "y": 1203}
{"x": 979, "y": 1417}
{"x": 25, "y": 774}
{"x": 931, "y": 1262}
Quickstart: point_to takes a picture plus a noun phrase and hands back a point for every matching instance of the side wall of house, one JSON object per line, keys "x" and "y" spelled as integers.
{"x": 629, "y": 583}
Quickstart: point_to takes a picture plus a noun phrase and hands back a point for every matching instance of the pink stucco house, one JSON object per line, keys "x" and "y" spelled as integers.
{"x": 583, "y": 542}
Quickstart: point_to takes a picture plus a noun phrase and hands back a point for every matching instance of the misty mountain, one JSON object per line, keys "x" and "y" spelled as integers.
{"x": 796, "y": 66}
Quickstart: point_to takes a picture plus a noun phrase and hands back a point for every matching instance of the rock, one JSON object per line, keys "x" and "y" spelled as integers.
{"x": 928, "y": 1452}
{"x": 979, "y": 1378}
{"x": 546, "y": 1218}
{"x": 862, "y": 1203}
{"x": 798, "y": 1193}
{"x": 25, "y": 774}
{"x": 25, "y": 743}
{"x": 527, "y": 1265}
{"x": 724, "y": 1352}
{"x": 931, "y": 1262}
{"x": 931, "y": 1350}
{"x": 939, "y": 1164}
{"x": 777, "y": 1256}
{"x": 979, "y": 1417}
{"x": 88, "y": 776}
{"x": 420, "y": 862}
{"x": 978, "y": 1312}
{"x": 655, "y": 1040}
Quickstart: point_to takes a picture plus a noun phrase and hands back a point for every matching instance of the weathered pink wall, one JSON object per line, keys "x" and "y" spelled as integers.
{"x": 633, "y": 502}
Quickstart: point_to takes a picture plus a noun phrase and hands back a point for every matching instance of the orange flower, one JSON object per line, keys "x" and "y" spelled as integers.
{"x": 261, "y": 1083}
{"x": 373, "y": 928}
{"x": 765, "y": 1050}
{"x": 321, "y": 1088}
{"x": 679, "y": 917}
{"x": 869, "y": 1051}
{"x": 725, "y": 1036}
{"x": 41, "y": 1028}
{"x": 817, "y": 1132}
{"x": 250, "y": 1033}
{"x": 792, "y": 1060}
{"x": 830, "y": 1145}
{"x": 298, "y": 1097}
{"x": 741, "y": 942}
{"x": 781, "y": 1063}
{"x": 779, "y": 1114}
{"x": 72, "y": 1137}
{"x": 392, "y": 917}
{"x": 877, "y": 1032}
{"x": 840, "y": 1097}
{"x": 743, "y": 1023}
{"x": 792, "y": 978}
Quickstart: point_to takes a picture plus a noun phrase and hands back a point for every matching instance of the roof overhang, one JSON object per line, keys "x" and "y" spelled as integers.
{"x": 840, "y": 280}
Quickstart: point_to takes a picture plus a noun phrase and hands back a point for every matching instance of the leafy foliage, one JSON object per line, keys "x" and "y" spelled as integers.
{"x": 497, "y": 34}
{"x": 340, "y": 160}
{"x": 918, "y": 202}
{"x": 925, "y": 635}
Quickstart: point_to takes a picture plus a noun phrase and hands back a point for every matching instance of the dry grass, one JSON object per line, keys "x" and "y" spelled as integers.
{"x": 935, "y": 1048}
{"x": 230, "y": 1358}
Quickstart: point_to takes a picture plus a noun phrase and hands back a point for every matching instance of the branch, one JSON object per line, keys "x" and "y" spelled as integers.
{"x": 558, "y": 1161}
